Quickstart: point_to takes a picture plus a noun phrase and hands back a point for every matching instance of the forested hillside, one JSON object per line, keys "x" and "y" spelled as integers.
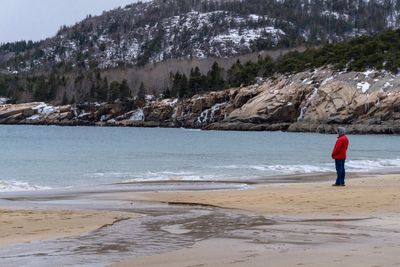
{"x": 75, "y": 65}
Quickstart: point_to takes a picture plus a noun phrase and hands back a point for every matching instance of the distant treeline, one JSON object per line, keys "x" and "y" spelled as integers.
{"x": 17, "y": 47}
{"x": 91, "y": 86}
{"x": 380, "y": 52}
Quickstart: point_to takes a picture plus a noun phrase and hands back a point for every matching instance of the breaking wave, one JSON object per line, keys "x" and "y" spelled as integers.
{"x": 243, "y": 171}
{"x": 352, "y": 165}
{"x": 16, "y": 186}
{"x": 371, "y": 165}
{"x": 156, "y": 176}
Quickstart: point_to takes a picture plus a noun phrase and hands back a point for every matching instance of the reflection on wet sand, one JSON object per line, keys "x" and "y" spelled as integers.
{"x": 278, "y": 222}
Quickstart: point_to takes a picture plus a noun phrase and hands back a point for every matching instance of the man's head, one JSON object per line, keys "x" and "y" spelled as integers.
{"x": 341, "y": 131}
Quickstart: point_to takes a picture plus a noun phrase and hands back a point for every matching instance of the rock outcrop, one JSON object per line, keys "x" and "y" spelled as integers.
{"x": 314, "y": 101}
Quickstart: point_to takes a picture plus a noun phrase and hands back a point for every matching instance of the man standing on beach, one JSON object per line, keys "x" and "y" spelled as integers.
{"x": 339, "y": 155}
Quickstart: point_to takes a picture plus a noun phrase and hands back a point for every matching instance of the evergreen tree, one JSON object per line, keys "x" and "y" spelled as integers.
{"x": 141, "y": 96}
{"x": 183, "y": 87}
{"x": 52, "y": 87}
{"x": 175, "y": 83}
{"x": 166, "y": 93}
{"x": 113, "y": 91}
{"x": 102, "y": 90}
{"x": 267, "y": 66}
{"x": 235, "y": 78}
{"x": 40, "y": 89}
{"x": 92, "y": 93}
{"x": 124, "y": 91}
{"x": 215, "y": 78}
{"x": 65, "y": 99}
{"x": 196, "y": 81}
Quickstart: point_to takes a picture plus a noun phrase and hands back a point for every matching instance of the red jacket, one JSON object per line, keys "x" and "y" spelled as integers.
{"x": 339, "y": 151}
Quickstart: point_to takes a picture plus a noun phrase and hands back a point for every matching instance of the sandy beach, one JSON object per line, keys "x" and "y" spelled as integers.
{"x": 361, "y": 196}
{"x": 359, "y": 225}
{"x": 20, "y": 226}
{"x": 285, "y": 224}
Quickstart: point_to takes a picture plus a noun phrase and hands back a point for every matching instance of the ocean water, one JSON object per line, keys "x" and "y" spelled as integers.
{"x": 42, "y": 157}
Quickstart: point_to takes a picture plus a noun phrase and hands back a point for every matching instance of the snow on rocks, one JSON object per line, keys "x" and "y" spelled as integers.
{"x": 368, "y": 72}
{"x": 150, "y": 98}
{"x": 4, "y": 100}
{"x": 104, "y": 118}
{"x": 208, "y": 115}
{"x": 387, "y": 84}
{"x": 83, "y": 114}
{"x": 33, "y": 117}
{"x": 363, "y": 86}
{"x": 170, "y": 101}
{"x": 303, "y": 110}
{"x": 137, "y": 115}
{"x": 44, "y": 108}
{"x": 327, "y": 80}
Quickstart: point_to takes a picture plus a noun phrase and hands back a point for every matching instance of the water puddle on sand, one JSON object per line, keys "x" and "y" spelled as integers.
{"x": 174, "y": 229}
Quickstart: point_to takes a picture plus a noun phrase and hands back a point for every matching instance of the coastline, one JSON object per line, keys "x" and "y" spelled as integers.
{"x": 301, "y": 107}
{"x": 286, "y": 224}
{"x": 297, "y": 127}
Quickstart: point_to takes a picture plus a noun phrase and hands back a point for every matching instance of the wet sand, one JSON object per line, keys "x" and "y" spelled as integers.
{"x": 267, "y": 224}
{"x": 316, "y": 225}
{"x": 237, "y": 252}
{"x": 361, "y": 196}
{"x": 20, "y": 226}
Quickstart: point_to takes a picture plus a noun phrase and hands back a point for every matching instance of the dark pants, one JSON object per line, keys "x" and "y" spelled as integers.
{"x": 341, "y": 173}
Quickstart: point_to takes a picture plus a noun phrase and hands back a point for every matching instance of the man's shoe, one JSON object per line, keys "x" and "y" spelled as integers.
{"x": 342, "y": 185}
{"x": 336, "y": 185}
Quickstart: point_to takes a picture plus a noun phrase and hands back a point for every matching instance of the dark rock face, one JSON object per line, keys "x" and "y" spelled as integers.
{"x": 315, "y": 101}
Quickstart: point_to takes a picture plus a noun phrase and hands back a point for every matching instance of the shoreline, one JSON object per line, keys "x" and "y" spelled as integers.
{"x": 362, "y": 214}
{"x": 359, "y": 191}
{"x": 313, "y": 129}
{"x": 192, "y": 185}
{"x": 264, "y": 106}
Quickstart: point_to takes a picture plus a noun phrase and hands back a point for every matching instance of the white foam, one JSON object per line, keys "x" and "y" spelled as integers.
{"x": 172, "y": 176}
{"x": 127, "y": 177}
{"x": 108, "y": 174}
{"x": 281, "y": 169}
{"x": 192, "y": 130}
{"x": 295, "y": 169}
{"x": 17, "y": 186}
{"x": 244, "y": 172}
{"x": 371, "y": 165}
{"x": 351, "y": 165}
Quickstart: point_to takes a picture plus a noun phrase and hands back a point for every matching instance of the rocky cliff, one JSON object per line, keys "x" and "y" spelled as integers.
{"x": 312, "y": 101}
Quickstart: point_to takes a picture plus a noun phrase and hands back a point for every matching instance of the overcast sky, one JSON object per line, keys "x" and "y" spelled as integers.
{"x": 38, "y": 19}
